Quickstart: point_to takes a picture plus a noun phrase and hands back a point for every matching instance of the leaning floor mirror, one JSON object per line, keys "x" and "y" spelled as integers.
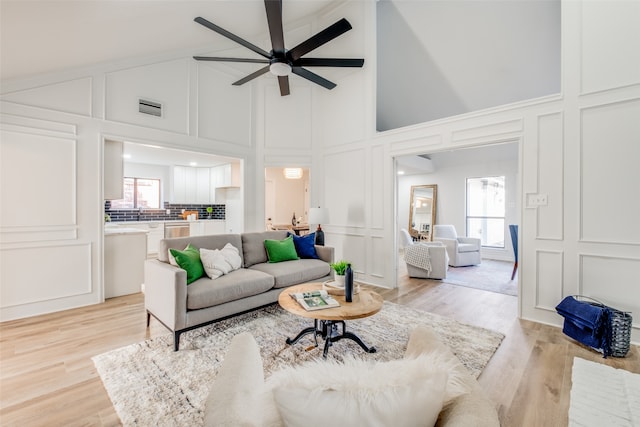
{"x": 422, "y": 212}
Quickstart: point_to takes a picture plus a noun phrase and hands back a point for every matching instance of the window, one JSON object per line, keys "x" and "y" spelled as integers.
{"x": 139, "y": 193}
{"x": 485, "y": 210}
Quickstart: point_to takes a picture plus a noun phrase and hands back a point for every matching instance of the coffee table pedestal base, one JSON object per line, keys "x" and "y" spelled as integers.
{"x": 328, "y": 330}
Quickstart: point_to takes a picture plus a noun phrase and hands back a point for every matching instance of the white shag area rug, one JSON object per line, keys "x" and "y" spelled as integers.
{"x": 151, "y": 385}
{"x": 603, "y": 396}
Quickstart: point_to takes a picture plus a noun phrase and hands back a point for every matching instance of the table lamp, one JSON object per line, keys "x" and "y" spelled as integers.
{"x": 319, "y": 216}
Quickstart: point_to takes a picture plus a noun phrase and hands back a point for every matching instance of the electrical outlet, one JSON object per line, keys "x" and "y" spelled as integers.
{"x": 168, "y": 211}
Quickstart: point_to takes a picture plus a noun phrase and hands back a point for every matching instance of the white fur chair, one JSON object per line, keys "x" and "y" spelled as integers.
{"x": 462, "y": 251}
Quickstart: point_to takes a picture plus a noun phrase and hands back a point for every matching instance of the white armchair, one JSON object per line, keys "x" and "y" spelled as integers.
{"x": 425, "y": 260}
{"x": 462, "y": 250}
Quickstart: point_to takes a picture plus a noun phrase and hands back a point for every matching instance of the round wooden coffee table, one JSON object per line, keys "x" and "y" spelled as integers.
{"x": 365, "y": 303}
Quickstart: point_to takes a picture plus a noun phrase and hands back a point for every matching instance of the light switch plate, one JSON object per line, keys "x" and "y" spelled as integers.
{"x": 536, "y": 199}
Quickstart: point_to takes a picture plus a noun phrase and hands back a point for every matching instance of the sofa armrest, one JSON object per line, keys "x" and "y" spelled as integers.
{"x": 165, "y": 293}
{"x": 325, "y": 253}
{"x": 235, "y": 395}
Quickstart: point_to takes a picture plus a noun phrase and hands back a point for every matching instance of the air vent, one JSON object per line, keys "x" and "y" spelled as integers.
{"x": 150, "y": 107}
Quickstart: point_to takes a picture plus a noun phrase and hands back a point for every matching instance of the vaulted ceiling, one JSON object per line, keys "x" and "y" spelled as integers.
{"x": 53, "y": 35}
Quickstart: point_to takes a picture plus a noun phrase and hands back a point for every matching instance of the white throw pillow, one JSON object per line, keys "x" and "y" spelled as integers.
{"x": 232, "y": 255}
{"x": 218, "y": 262}
{"x": 407, "y": 392}
{"x": 214, "y": 263}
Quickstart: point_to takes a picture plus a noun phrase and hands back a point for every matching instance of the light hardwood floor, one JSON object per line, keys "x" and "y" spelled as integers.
{"x": 47, "y": 377}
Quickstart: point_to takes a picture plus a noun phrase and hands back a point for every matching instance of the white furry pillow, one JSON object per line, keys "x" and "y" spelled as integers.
{"x": 218, "y": 262}
{"x": 407, "y": 392}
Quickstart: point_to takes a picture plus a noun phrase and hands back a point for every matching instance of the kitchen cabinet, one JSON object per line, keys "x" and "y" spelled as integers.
{"x": 213, "y": 227}
{"x": 113, "y": 170}
{"x": 155, "y": 234}
{"x": 125, "y": 250}
{"x": 192, "y": 185}
{"x": 206, "y": 227}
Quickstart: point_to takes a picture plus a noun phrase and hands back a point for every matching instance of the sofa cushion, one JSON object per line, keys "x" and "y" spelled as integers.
{"x": 238, "y": 284}
{"x": 253, "y": 245}
{"x": 288, "y": 273}
{"x": 281, "y": 250}
{"x": 305, "y": 245}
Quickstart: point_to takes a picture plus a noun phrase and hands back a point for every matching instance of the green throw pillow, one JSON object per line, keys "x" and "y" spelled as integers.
{"x": 189, "y": 260}
{"x": 281, "y": 250}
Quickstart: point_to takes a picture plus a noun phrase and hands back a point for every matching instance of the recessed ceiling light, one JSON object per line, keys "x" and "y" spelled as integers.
{"x": 126, "y": 156}
{"x": 193, "y": 164}
{"x": 400, "y": 172}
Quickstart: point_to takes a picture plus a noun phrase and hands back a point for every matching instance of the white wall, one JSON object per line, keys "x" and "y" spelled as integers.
{"x": 451, "y": 169}
{"x": 577, "y": 148}
{"x": 443, "y": 58}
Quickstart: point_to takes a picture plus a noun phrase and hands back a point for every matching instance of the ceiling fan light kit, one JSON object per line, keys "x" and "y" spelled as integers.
{"x": 280, "y": 61}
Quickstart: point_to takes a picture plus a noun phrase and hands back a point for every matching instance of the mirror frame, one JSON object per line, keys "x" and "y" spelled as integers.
{"x": 417, "y": 234}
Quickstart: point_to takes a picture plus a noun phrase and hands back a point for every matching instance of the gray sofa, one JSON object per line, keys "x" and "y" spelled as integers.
{"x": 256, "y": 284}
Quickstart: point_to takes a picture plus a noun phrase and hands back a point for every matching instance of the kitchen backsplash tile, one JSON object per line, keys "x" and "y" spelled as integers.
{"x": 161, "y": 214}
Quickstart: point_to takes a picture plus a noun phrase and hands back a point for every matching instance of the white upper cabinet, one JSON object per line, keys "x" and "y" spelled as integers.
{"x": 198, "y": 185}
{"x": 113, "y": 170}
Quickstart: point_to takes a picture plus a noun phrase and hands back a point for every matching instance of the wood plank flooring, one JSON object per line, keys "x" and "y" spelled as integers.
{"x": 47, "y": 377}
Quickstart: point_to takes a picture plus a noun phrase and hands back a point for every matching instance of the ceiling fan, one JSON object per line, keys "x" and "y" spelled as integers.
{"x": 282, "y": 62}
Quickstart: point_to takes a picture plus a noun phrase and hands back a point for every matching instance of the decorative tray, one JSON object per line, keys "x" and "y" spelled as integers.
{"x": 333, "y": 288}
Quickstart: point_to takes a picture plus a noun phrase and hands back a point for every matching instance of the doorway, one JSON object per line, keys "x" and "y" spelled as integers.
{"x": 286, "y": 197}
{"x": 449, "y": 170}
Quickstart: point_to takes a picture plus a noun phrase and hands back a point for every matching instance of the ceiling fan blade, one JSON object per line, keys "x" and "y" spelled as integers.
{"x": 302, "y": 72}
{"x": 252, "y": 76}
{"x": 283, "y": 81}
{"x": 214, "y": 58}
{"x": 324, "y": 36}
{"x": 231, "y": 36}
{"x": 328, "y": 62}
{"x": 274, "y": 19}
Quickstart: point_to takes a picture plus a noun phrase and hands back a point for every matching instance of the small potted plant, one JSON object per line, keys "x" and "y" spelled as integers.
{"x": 339, "y": 268}
{"x": 209, "y": 211}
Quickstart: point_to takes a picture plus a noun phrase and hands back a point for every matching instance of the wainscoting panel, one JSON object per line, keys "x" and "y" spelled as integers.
{"x": 224, "y": 110}
{"x": 509, "y": 129}
{"x": 378, "y": 252}
{"x": 351, "y": 96}
{"x": 287, "y": 119}
{"x": 550, "y": 176}
{"x": 610, "y": 173}
{"x": 549, "y": 272}
{"x": 42, "y": 275}
{"x": 376, "y": 169}
{"x": 345, "y": 187}
{"x": 621, "y": 293}
{"x": 165, "y": 83}
{"x": 49, "y": 179}
{"x": 610, "y": 45}
{"x": 73, "y": 96}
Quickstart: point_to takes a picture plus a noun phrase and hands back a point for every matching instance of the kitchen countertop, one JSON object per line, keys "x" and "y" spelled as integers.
{"x": 123, "y": 230}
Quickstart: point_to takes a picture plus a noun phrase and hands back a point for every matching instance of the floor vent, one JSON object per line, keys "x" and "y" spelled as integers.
{"x": 150, "y": 107}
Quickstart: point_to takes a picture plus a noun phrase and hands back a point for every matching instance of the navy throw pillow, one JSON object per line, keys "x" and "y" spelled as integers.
{"x": 305, "y": 245}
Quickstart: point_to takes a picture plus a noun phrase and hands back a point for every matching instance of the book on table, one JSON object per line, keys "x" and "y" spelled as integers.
{"x": 315, "y": 300}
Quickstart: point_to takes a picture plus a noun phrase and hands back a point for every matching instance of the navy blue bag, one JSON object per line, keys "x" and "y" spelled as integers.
{"x": 586, "y": 323}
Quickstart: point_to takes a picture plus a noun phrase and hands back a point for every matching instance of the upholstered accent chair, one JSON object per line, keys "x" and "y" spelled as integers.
{"x": 425, "y": 260}
{"x": 462, "y": 251}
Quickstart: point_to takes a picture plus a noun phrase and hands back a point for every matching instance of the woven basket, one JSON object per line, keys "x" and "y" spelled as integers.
{"x": 620, "y": 328}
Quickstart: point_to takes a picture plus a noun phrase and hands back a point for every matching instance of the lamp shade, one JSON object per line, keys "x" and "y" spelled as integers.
{"x": 318, "y": 215}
